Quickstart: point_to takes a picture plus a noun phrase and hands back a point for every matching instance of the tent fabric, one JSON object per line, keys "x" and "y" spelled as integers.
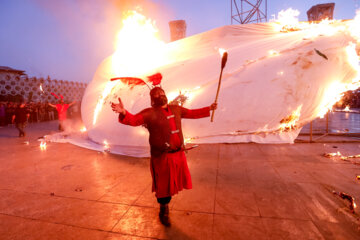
{"x": 268, "y": 75}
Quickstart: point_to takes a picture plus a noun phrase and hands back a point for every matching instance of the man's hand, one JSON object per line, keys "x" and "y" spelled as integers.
{"x": 213, "y": 106}
{"x": 118, "y": 108}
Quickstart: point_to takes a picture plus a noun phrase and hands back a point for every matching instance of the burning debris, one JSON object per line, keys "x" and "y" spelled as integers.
{"x": 290, "y": 122}
{"x": 330, "y": 155}
{"x": 83, "y": 129}
{"x": 106, "y": 146}
{"x": 43, "y": 145}
{"x": 338, "y": 155}
{"x": 349, "y": 198}
{"x": 321, "y": 54}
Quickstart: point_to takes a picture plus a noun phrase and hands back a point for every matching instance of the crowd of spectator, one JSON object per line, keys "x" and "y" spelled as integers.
{"x": 39, "y": 112}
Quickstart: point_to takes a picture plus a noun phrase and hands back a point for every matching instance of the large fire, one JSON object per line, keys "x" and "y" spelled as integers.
{"x": 138, "y": 48}
{"x": 138, "y": 52}
{"x": 288, "y": 22}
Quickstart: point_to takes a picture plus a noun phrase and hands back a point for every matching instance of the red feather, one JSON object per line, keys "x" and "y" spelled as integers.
{"x": 130, "y": 81}
{"x": 155, "y": 79}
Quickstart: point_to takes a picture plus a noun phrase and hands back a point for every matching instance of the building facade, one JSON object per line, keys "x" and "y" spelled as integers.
{"x": 15, "y": 85}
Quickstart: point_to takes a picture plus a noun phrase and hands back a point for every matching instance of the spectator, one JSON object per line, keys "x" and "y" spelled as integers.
{"x": 2, "y": 114}
{"x": 20, "y": 117}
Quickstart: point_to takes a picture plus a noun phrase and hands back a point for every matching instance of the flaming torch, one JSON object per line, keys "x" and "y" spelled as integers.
{"x": 223, "y": 63}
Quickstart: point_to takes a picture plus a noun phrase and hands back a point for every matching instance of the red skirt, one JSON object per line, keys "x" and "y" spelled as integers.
{"x": 170, "y": 174}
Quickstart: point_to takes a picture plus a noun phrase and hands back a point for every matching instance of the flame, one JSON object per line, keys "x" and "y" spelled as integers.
{"x": 41, "y": 88}
{"x": 290, "y": 122}
{"x": 185, "y": 95}
{"x": 347, "y": 108}
{"x": 336, "y": 90}
{"x": 138, "y": 52}
{"x": 187, "y": 140}
{"x": 273, "y": 53}
{"x": 43, "y": 145}
{"x": 109, "y": 86}
{"x": 106, "y": 145}
{"x": 83, "y": 129}
{"x": 288, "y": 20}
{"x": 329, "y": 155}
{"x": 222, "y": 51}
{"x": 138, "y": 49}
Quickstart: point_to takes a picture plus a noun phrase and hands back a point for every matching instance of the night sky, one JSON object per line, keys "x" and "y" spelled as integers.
{"x": 68, "y": 39}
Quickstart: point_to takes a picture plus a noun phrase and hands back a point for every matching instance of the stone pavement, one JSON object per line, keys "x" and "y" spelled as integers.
{"x": 240, "y": 191}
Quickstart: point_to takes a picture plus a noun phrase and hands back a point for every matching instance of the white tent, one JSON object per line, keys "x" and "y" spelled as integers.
{"x": 271, "y": 77}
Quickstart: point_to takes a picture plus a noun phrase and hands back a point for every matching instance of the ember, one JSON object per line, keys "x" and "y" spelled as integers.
{"x": 338, "y": 155}
{"x": 106, "y": 146}
{"x": 43, "y": 145}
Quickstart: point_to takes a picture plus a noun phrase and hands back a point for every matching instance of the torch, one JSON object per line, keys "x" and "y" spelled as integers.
{"x": 223, "y": 63}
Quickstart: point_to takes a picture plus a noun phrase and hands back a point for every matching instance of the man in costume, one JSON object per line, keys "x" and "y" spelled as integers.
{"x": 168, "y": 163}
{"x": 62, "y": 108}
{"x": 20, "y": 118}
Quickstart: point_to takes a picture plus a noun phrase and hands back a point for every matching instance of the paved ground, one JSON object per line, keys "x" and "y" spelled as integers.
{"x": 241, "y": 191}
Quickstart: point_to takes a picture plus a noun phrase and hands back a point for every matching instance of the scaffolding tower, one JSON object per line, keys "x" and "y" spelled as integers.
{"x": 248, "y": 11}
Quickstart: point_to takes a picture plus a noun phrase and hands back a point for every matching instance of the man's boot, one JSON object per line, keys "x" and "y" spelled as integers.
{"x": 164, "y": 215}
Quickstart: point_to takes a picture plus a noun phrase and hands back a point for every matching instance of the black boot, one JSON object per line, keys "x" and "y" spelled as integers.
{"x": 164, "y": 215}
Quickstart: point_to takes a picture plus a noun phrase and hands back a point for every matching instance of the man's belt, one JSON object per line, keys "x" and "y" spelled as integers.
{"x": 174, "y": 150}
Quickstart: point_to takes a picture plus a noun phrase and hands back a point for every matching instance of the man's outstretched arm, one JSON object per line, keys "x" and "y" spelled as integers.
{"x": 125, "y": 117}
{"x": 198, "y": 113}
{"x": 51, "y": 105}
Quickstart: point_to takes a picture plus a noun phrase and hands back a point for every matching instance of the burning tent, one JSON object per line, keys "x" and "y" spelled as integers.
{"x": 276, "y": 81}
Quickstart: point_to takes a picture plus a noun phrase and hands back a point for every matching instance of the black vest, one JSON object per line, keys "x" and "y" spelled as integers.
{"x": 159, "y": 128}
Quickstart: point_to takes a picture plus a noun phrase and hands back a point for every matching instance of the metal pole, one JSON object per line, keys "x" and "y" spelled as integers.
{"x": 266, "y": 11}
{"x": 327, "y": 122}
{"x": 231, "y": 11}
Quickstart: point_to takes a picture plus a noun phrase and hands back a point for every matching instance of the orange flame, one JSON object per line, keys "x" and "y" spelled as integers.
{"x": 138, "y": 49}
{"x": 222, "y": 51}
{"x": 138, "y": 53}
{"x": 290, "y": 122}
{"x": 43, "y": 145}
{"x": 336, "y": 89}
{"x": 106, "y": 145}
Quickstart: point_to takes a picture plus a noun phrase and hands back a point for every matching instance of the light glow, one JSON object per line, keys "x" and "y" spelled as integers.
{"x": 43, "y": 145}
{"x": 290, "y": 122}
{"x": 138, "y": 53}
